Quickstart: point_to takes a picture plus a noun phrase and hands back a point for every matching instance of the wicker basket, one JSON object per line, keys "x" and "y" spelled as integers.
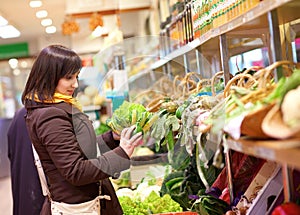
{"x": 252, "y": 122}
{"x": 274, "y": 126}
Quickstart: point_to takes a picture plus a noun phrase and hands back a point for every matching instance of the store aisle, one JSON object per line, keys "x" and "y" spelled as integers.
{"x": 5, "y": 196}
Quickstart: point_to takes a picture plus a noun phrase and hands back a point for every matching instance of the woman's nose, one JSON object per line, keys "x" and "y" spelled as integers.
{"x": 75, "y": 83}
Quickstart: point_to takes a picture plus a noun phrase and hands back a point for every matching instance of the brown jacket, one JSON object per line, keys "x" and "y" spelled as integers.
{"x": 66, "y": 143}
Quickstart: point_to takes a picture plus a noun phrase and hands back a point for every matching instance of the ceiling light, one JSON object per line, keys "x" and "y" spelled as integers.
{"x": 50, "y": 29}
{"x": 9, "y": 31}
{"x": 13, "y": 62}
{"x": 3, "y": 21}
{"x": 16, "y": 72}
{"x": 35, "y": 4}
{"x": 41, "y": 14}
{"x": 46, "y": 22}
{"x": 24, "y": 64}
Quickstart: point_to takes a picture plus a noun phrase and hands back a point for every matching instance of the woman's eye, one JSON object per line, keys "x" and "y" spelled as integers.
{"x": 69, "y": 77}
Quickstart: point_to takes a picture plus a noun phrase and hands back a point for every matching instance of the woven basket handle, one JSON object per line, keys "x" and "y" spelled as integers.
{"x": 213, "y": 81}
{"x": 239, "y": 80}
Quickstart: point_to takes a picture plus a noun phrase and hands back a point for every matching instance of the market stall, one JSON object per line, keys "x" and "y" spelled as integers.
{"x": 220, "y": 120}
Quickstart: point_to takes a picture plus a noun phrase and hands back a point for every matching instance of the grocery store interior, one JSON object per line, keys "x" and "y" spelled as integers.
{"x": 219, "y": 82}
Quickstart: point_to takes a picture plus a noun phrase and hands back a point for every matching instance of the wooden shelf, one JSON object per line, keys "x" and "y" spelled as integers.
{"x": 255, "y": 19}
{"x": 264, "y": 21}
{"x": 282, "y": 151}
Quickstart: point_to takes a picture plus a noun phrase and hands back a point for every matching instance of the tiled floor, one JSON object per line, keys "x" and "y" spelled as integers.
{"x": 5, "y": 196}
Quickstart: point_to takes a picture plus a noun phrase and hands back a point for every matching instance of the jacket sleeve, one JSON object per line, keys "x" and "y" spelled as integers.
{"x": 106, "y": 142}
{"x": 55, "y": 131}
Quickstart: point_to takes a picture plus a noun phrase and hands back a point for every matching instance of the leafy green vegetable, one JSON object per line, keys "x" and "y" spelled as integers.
{"x": 130, "y": 114}
{"x": 277, "y": 92}
{"x": 292, "y": 82}
{"x": 181, "y": 158}
{"x": 180, "y": 185}
{"x": 284, "y": 85}
{"x": 209, "y": 205}
{"x": 153, "y": 204}
{"x": 132, "y": 207}
{"x": 163, "y": 131}
{"x": 163, "y": 204}
{"x": 102, "y": 129}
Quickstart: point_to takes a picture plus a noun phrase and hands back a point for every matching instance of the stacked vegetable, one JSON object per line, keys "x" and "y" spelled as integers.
{"x": 146, "y": 200}
{"x": 179, "y": 117}
{"x": 129, "y": 114}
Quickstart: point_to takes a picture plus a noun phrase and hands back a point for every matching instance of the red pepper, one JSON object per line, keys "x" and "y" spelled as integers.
{"x": 288, "y": 208}
{"x": 225, "y": 196}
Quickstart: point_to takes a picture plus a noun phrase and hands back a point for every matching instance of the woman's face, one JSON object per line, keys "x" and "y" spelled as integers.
{"x": 67, "y": 84}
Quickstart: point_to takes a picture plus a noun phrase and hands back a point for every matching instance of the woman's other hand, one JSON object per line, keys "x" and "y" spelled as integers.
{"x": 116, "y": 136}
{"x": 128, "y": 141}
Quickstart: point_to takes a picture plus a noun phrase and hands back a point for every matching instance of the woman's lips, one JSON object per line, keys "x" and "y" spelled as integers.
{"x": 70, "y": 92}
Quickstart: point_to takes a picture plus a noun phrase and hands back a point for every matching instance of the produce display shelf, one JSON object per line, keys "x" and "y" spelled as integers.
{"x": 262, "y": 8}
{"x": 282, "y": 151}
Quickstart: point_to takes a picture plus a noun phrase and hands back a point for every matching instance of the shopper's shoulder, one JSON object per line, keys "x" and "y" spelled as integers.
{"x": 50, "y": 110}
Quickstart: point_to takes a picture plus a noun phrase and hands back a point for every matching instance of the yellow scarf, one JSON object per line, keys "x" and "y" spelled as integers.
{"x": 58, "y": 97}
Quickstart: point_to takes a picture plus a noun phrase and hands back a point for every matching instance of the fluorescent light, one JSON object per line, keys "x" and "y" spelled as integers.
{"x": 46, "y": 22}
{"x": 35, "y": 4}
{"x": 50, "y": 29}
{"x": 41, "y": 14}
{"x": 9, "y": 31}
{"x": 3, "y": 21}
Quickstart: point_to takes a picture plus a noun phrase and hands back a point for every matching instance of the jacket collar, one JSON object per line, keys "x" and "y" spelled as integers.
{"x": 70, "y": 109}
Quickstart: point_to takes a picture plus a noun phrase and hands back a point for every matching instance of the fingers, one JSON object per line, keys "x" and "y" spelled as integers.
{"x": 126, "y": 132}
{"x": 128, "y": 141}
{"x": 135, "y": 140}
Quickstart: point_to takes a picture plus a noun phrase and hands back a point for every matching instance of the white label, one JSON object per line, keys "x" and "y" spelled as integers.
{"x": 120, "y": 79}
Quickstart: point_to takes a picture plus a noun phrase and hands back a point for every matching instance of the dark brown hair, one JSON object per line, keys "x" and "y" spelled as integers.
{"x": 53, "y": 63}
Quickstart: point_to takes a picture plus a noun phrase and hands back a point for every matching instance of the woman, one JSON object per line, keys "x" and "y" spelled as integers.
{"x": 64, "y": 137}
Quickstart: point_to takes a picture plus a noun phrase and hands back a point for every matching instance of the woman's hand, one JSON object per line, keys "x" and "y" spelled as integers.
{"x": 116, "y": 136}
{"x": 128, "y": 142}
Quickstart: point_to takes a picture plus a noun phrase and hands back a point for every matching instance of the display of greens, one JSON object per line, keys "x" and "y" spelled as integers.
{"x": 198, "y": 126}
{"x": 181, "y": 185}
{"x": 153, "y": 204}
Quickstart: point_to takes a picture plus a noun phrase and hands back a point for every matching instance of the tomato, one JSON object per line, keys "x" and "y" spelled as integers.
{"x": 288, "y": 208}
